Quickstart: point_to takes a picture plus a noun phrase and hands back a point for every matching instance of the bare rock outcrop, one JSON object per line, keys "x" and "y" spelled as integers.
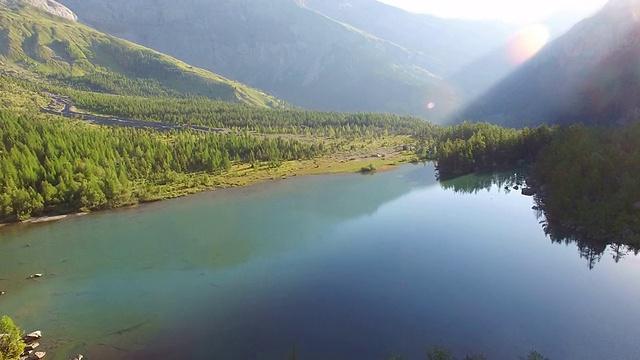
{"x": 50, "y": 6}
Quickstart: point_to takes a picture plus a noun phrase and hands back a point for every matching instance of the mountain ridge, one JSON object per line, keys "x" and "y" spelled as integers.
{"x": 298, "y": 51}
{"x": 38, "y": 45}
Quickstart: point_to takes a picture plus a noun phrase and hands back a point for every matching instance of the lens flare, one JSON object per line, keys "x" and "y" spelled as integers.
{"x": 635, "y": 11}
{"x": 526, "y": 43}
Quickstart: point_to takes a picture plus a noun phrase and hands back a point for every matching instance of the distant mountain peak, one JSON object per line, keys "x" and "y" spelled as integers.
{"x": 50, "y": 6}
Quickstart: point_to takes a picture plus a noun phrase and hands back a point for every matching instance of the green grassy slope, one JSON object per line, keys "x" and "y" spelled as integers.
{"x": 37, "y": 45}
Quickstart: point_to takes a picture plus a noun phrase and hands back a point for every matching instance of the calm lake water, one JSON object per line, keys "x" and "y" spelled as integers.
{"x": 339, "y": 267}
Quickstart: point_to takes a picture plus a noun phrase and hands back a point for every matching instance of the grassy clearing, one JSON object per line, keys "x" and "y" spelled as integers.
{"x": 246, "y": 174}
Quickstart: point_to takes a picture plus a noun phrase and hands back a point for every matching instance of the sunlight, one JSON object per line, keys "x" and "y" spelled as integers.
{"x": 635, "y": 11}
{"x": 506, "y": 10}
{"x": 526, "y": 43}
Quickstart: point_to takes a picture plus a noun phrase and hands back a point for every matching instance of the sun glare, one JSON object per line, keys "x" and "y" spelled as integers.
{"x": 526, "y": 43}
{"x": 516, "y": 12}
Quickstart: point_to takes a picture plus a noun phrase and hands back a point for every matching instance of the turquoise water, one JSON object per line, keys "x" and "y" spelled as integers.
{"x": 339, "y": 267}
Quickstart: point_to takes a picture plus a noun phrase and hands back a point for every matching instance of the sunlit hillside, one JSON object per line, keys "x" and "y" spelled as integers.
{"x": 37, "y": 45}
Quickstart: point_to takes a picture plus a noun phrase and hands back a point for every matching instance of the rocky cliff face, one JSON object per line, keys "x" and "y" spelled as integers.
{"x": 588, "y": 75}
{"x": 50, "y": 6}
{"x": 299, "y": 51}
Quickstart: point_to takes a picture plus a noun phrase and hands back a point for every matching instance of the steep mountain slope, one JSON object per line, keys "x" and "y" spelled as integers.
{"x": 471, "y": 56}
{"x": 303, "y": 51}
{"x": 478, "y": 77}
{"x": 448, "y": 44}
{"x": 37, "y": 45}
{"x": 590, "y": 75}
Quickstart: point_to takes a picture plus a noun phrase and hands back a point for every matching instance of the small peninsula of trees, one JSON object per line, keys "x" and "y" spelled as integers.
{"x": 472, "y": 147}
{"x": 590, "y": 189}
{"x": 587, "y": 177}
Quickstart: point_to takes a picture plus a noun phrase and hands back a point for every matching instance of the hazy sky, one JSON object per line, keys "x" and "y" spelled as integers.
{"x": 516, "y": 11}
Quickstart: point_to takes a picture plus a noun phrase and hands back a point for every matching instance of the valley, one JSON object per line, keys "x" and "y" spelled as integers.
{"x": 339, "y": 180}
{"x": 64, "y": 106}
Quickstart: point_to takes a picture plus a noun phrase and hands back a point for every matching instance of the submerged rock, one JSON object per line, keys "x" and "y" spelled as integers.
{"x": 528, "y": 191}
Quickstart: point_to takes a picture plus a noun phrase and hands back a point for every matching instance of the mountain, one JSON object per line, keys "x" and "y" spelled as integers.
{"x": 478, "y": 77}
{"x": 37, "y": 45}
{"x": 447, "y": 44}
{"x": 588, "y": 75}
{"x": 51, "y": 6}
{"x": 359, "y": 55}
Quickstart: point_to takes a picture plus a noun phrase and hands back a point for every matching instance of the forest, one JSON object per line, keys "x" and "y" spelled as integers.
{"x": 473, "y": 147}
{"x": 212, "y": 113}
{"x": 590, "y": 191}
{"x": 585, "y": 177}
{"x": 50, "y": 165}
{"x": 53, "y": 165}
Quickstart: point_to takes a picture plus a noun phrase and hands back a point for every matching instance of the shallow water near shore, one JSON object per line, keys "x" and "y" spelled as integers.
{"x": 339, "y": 267}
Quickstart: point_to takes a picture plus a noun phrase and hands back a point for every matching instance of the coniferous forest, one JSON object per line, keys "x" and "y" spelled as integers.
{"x": 91, "y": 122}
{"x": 53, "y": 165}
{"x": 585, "y": 177}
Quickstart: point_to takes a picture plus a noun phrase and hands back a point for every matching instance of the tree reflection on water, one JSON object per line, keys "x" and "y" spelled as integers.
{"x": 590, "y": 247}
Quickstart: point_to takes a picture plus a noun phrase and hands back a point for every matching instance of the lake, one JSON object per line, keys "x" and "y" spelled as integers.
{"x": 337, "y": 267}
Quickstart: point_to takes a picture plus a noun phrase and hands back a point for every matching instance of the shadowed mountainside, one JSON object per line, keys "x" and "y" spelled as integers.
{"x": 589, "y": 75}
{"x": 312, "y": 54}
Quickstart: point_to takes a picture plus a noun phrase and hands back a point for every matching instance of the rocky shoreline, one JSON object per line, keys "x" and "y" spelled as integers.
{"x": 31, "y": 344}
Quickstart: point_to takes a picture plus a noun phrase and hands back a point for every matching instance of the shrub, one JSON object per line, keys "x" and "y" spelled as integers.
{"x": 11, "y": 345}
{"x": 368, "y": 169}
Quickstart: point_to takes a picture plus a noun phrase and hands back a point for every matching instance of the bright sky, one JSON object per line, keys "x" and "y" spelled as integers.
{"x": 514, "y": 11}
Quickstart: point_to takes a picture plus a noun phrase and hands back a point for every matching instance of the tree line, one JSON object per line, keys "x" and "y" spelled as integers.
{"x": 591, "y": 193}
{"x": 588, "y": 174}
{"x": 56, "y": 166}
{"x": 212, "y": 113}
{"x": 472, "y": 147}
